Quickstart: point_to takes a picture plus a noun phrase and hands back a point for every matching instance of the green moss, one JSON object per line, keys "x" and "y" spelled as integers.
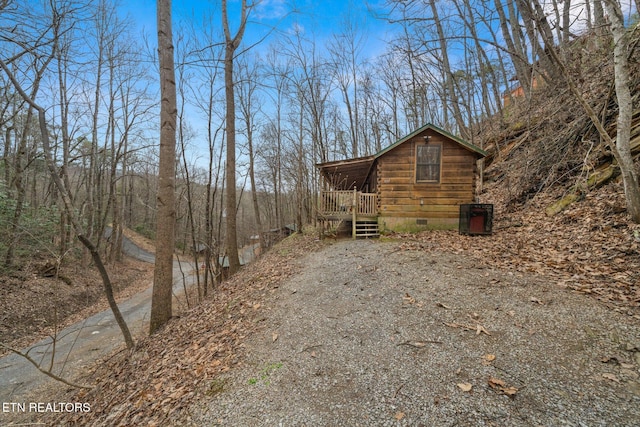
{"x": 561, "y": 204}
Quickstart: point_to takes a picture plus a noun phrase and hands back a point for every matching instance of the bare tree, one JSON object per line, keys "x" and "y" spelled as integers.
{"x": 205, "y": 98}
{"x": 62, "y": 18}
{"x": 272, "y": 134}
{"x": 54, "y": 172}
{"x": 515, "y": 44}
{"x": 231, "y": 45}
{"x": 249, "y": 105}
{"x": 484, "y": 70}
{"x": 450, "y": 94}
{"x": 163, "y": 274}
{"x": 346, "y": 48}
{"x": 621, "y": 51}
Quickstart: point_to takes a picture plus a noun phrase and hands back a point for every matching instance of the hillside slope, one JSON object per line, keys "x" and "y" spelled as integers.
{"x": 559, "y": 202}
{"x": 548, "y": 144}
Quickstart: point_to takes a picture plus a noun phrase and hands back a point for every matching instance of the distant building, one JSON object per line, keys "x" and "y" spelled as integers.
{"x": 516, "y": 91}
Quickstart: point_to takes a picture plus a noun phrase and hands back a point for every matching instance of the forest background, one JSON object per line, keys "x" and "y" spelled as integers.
{"x": 311, "y": 85}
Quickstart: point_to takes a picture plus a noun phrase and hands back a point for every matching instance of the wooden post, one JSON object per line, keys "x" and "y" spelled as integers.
{"x": 354, "y": 213}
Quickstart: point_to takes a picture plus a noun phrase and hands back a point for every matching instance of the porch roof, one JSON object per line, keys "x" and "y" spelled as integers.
{"x": 346, "y": 174}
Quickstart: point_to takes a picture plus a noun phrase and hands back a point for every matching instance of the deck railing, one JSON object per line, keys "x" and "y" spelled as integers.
{"x": 368, "y": 204}
{"x": 346, "y": 203}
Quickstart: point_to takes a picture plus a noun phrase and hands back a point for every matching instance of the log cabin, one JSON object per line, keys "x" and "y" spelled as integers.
{"x": 417, "y": 183}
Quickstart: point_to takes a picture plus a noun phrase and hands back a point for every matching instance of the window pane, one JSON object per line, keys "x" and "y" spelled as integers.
{"x": 428, "y": 163}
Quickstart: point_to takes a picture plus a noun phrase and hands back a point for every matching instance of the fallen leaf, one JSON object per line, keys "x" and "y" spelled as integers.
{"x": 274, "y": 337}
{"x": 399, "y": 416}
{"x": 256, "y": 306}
{"x": 501, "y": 386}
{"x": 481, "y": 330}
{"x": 490, "y": 357}
{"x": 510, "y": 391}
{"x": 611, "y": 377}
{"x": 466, "y": 387}
{"x": 439, "y": 304}
{"x": 408, "y": 299}
{"x": 536, "y": 300}
{"x": 496, "y": 382}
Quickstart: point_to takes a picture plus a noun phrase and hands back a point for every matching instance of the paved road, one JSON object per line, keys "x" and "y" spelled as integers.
{"x": 82, "y": 343}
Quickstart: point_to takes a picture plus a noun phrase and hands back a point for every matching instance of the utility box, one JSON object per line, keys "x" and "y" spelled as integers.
{"x": 476, "y": 218}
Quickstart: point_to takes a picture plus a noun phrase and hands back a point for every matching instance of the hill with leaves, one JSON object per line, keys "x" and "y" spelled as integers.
{"x": 548, "y": 144}
{"x": 559, "y": 202}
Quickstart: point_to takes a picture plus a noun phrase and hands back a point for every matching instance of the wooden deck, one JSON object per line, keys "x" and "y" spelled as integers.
{"x": 360, "y": 209}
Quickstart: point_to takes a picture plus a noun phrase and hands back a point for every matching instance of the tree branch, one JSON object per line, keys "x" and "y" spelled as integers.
{"x": 44, "y": 371}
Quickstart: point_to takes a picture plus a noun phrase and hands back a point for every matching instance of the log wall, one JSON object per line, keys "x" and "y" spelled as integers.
{"x": 401, "y": 197}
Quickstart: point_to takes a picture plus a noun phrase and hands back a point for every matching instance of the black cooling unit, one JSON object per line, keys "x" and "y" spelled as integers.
{"x": 476, "y": 219}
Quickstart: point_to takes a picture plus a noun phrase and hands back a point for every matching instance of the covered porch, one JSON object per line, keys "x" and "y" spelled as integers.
{"x": 346, "y": 198}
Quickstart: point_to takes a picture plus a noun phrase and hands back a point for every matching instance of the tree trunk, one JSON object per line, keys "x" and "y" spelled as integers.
{"x": 165, "y": 229}
{"x": 231, "y": 44}
{"x": 254, "y": 189}
{"x": 21, "y": 155}
{"x": 230, "y": 203}
{"x": 566, "y": 22}
{"x": 18, "y": 177}
{"x": 598, "y": 22}
{"x": 625, "y": 108}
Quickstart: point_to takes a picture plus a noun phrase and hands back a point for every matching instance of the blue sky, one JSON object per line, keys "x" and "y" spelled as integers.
{"x": 318, "y": 19}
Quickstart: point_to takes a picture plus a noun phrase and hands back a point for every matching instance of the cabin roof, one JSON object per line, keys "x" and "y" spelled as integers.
{"x": 473, "y": 148}
{"x": 350, "y": 173}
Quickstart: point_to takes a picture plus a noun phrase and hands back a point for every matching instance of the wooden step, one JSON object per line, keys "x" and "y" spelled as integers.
{"x": 367, "y": 228}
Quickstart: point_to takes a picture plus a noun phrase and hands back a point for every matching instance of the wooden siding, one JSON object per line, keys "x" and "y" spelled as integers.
{"x": 400, "y": 196}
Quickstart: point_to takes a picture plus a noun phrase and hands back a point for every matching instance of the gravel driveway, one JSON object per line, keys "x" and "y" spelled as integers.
{"x": 371, "y": 334}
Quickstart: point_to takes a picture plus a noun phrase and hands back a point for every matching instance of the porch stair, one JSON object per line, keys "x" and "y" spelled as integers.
{"x": 367, "y": 228}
